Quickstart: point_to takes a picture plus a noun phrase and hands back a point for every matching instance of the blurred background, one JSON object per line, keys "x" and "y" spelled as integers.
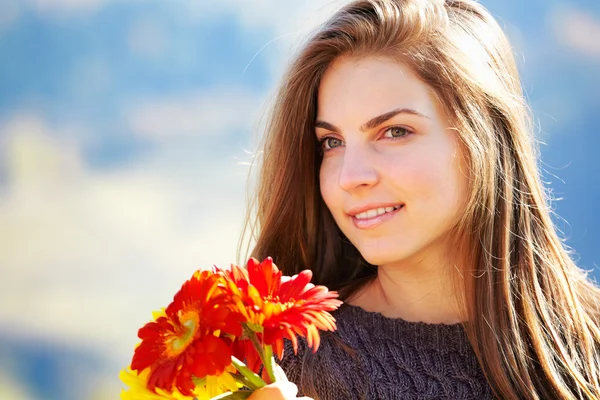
{"x": 126, "y": 129}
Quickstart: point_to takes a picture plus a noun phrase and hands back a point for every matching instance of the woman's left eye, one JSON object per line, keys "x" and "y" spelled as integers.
{"x": 396, "y": 132}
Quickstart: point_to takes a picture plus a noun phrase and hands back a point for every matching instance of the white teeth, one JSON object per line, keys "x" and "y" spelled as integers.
{"x": 375, "y": 212}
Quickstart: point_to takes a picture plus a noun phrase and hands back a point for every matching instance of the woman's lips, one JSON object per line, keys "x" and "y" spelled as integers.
{"x": 368, "y": 223}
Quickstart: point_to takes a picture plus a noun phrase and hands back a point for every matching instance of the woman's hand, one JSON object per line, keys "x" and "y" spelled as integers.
{"x": 277, "y": 391}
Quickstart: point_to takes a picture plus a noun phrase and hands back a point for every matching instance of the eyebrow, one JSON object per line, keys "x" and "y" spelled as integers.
{"x": 373, "y": 122}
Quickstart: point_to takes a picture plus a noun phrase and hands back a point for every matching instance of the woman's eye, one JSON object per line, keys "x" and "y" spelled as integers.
{"x": 331, "y": 143}
{"x": 396, "y": 132}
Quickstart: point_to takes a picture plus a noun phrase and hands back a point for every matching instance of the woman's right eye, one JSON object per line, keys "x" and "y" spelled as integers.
{"x": 329, "y": 143}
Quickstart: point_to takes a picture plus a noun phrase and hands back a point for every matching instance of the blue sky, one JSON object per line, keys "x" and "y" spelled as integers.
{"x": 126, "y": 128}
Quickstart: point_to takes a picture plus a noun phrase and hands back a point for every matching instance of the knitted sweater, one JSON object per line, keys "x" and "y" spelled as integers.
{"x": 394, "y": 359}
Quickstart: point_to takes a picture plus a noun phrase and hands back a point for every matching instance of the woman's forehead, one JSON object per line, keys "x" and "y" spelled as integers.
{"x": 360, "y": 89}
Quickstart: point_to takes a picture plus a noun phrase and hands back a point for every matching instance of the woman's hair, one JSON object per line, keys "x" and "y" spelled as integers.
{"x": 533, "y": 315}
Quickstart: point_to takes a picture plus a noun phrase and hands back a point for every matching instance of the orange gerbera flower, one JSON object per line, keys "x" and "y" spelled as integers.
{"x": 191, "y": 337}
{"x": 279, "y": 308}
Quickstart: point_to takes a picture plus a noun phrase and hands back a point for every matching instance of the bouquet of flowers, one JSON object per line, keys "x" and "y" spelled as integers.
{"x": 218, "y": 338}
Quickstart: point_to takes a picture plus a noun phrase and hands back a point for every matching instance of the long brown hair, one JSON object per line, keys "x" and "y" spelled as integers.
{"x": 532, "y": 313}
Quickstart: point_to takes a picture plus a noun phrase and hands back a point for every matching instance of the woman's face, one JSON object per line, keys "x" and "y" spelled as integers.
{"x": 392, "y": 174}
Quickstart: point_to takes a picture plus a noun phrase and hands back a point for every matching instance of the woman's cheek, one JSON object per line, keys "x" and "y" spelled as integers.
{"x": 410, "y": 175}
{"x": 327, "y": 179}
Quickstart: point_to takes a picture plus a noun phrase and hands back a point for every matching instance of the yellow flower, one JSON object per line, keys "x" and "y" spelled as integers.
{"x": 213, "y": 385}
{"x": 139, "y": 391}
{"x": 206, "y": 389}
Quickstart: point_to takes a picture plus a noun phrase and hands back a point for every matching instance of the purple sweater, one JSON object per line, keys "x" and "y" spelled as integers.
{"x": 393, "y": 359}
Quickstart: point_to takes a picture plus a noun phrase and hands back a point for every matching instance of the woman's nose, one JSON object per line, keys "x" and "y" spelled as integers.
{"x": 357, "y": 170}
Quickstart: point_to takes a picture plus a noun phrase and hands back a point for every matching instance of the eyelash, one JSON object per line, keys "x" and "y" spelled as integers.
{"x": 407, "y": 131}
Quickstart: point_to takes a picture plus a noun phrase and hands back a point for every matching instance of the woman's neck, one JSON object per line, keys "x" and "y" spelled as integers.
{"x": 423, "y": 292}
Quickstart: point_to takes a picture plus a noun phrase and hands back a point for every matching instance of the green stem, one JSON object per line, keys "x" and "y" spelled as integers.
{"x": 245, "y": 381}
{"x": 269, "y": 363}
{"x": 264, "y": 352}
{"x": 254, "y": 379}
{"x": 257, "y": 344}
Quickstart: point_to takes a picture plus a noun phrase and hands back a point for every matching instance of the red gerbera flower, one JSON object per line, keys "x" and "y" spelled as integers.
{"x": 281, "y": 308}
{"x": 192, "y": 337}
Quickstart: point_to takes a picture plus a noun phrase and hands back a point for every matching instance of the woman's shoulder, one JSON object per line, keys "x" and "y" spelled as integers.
{"x": 333, "y": 370}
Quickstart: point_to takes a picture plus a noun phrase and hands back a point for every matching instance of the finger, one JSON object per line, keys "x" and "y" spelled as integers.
{"x": 288, "y": 389}
{"x": 280, "y": 374}
{"x": 276, "y": 391}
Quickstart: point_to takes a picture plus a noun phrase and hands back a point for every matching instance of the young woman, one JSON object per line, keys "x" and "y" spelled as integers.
{"x": 399, "y": 166}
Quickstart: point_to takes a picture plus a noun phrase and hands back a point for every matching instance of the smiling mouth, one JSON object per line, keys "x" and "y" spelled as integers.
{"x": 375, "y": 212}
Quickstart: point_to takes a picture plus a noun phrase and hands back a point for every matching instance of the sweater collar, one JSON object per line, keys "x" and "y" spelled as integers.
{"x": 352, "y": 320}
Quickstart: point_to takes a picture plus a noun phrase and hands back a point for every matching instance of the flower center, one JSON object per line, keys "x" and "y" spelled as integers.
{"x": 184, "y": 334}
{"x": 273, "y": 305}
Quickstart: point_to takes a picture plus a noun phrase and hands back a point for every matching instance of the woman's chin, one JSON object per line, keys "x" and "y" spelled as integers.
{"x": 382, "y": 258}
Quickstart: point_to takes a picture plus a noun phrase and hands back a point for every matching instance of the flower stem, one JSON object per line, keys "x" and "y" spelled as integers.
{"x": 245, "y": 381}
{"x": 253, "y": 379}
{"x": 264, "y": 352}
{"x": 257, "y": 344}
{"x": 269, "y": 363}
